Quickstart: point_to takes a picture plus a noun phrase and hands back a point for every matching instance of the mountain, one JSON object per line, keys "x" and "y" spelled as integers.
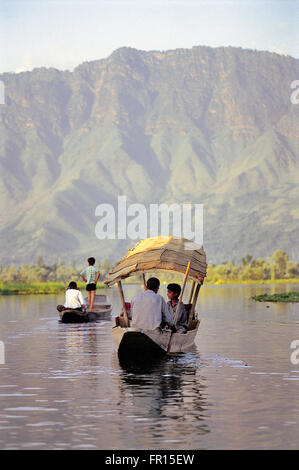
{"x": 204, "y": 125}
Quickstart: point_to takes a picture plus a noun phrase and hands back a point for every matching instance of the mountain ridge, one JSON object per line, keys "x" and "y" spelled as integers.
{"x": 207, "y": 125}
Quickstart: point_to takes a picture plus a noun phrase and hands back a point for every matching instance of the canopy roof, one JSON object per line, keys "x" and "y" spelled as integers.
{"x": 161, "y": 253}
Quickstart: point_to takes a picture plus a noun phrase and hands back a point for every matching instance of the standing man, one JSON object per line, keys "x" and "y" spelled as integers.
{"x": 149, "y": 309}
{"x": 90, "y": 275}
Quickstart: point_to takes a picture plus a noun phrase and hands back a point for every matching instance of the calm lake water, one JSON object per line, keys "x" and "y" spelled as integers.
{"x": 62, "y": 386}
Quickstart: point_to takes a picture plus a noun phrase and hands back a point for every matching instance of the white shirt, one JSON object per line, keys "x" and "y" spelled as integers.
{"x": 73, "y": 298}
{"x": 148, "y": 309}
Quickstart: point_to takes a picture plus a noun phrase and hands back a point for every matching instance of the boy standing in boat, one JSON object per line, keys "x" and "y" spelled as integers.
{"x": 90, "y": 275}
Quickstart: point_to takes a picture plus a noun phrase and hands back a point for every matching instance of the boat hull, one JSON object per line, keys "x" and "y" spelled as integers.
{"x": 75, "y": 316}
{"x": 101, "y": 314}
{"x": 102, "y": 306}
{"x": 151, "y": 343}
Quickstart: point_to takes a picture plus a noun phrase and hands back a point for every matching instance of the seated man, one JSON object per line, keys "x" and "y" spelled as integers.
{"x": 173, "y": 293}
{"x": 73, "y": 299}
{"x": 149, "y": 309}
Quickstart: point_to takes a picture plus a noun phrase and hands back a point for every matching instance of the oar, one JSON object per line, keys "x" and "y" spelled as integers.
{"x": 122, "y": 298}
{"x": 143, "y": 281}
{"x": 178, "y": 307}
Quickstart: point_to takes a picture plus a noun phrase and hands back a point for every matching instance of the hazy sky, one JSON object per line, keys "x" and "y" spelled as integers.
{"x": 65, "y": 33}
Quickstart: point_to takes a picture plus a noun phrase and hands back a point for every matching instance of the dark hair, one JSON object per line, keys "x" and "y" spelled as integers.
{"x": 91, "y": 261}
{"x": 175, "y": 288}
{"x": 72, "y": 285}
{"x": 153, "y": 283}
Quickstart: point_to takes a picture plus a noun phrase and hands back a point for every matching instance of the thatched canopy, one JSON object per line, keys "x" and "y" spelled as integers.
{"x": 161, "y": 253}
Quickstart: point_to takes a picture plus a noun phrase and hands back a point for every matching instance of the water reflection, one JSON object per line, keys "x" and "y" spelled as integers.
{"x": 78, "y": 340}
{"x": 171, "y": 388}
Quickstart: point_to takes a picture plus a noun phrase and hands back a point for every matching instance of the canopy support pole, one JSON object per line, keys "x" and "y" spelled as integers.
{"x": 182, "y": 294}
{"x": 191, "y": 292}
{"x": 122, "y": 298}
{"x": 192, "y": 310}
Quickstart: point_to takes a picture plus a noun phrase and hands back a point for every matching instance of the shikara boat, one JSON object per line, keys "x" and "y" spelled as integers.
{"x": 155, "y": 254}
{"x": 102, "y": 310}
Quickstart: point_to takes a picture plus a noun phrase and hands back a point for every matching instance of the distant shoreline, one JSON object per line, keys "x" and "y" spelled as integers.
{"x": 251, "y": 281}
{"x": 59, "y": 288}
{"x": 39, "y": 288}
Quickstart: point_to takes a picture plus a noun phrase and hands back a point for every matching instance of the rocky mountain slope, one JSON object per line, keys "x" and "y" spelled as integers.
{"x": 202, "y": 125}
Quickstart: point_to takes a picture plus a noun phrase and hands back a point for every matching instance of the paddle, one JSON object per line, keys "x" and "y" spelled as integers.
{"x": 178, "y": 307}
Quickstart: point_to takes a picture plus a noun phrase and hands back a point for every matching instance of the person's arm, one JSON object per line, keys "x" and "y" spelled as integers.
{"x": 81, "y": 298}
{"x": 82, "y": 274}
{"x": 182, "y": 317}
{"x": 166, "y": 315}
{"x": 98, "y": 275}
{"x": 65, "y": 303}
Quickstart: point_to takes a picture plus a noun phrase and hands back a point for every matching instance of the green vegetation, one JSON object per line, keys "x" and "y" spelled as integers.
{"x": 38, "y": 288}
{"x": 284, "y": 297}
{"x": 32, "y": 288}
{"x": 42, "y": 279}
{"x": 275, "y": 269}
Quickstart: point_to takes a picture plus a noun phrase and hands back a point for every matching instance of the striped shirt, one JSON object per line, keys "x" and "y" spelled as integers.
{"x": 90, "y": 274}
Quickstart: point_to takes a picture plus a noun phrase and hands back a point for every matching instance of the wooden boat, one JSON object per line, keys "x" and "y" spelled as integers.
{"x": 153, "y": 254}
{"x": 76, "y": 316}
{"x": 102, "y": 306}
{"x": 135, "y": 341}
{"x": 102, "y": 310}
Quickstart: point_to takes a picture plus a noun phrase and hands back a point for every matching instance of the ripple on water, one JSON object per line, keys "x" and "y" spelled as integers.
{"x": 67, "y": 377}
{"x": 30, "y": 408}
{"x": 45, "y": 423}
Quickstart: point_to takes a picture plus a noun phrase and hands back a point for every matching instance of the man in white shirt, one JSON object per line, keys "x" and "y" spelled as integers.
{"x": 149, "y": 309}
{"x": 73, "y": 297}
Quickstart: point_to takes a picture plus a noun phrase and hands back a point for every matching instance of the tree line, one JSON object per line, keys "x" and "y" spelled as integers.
{"x": 278, "y": 266}
{"x": 40, "y": 272}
